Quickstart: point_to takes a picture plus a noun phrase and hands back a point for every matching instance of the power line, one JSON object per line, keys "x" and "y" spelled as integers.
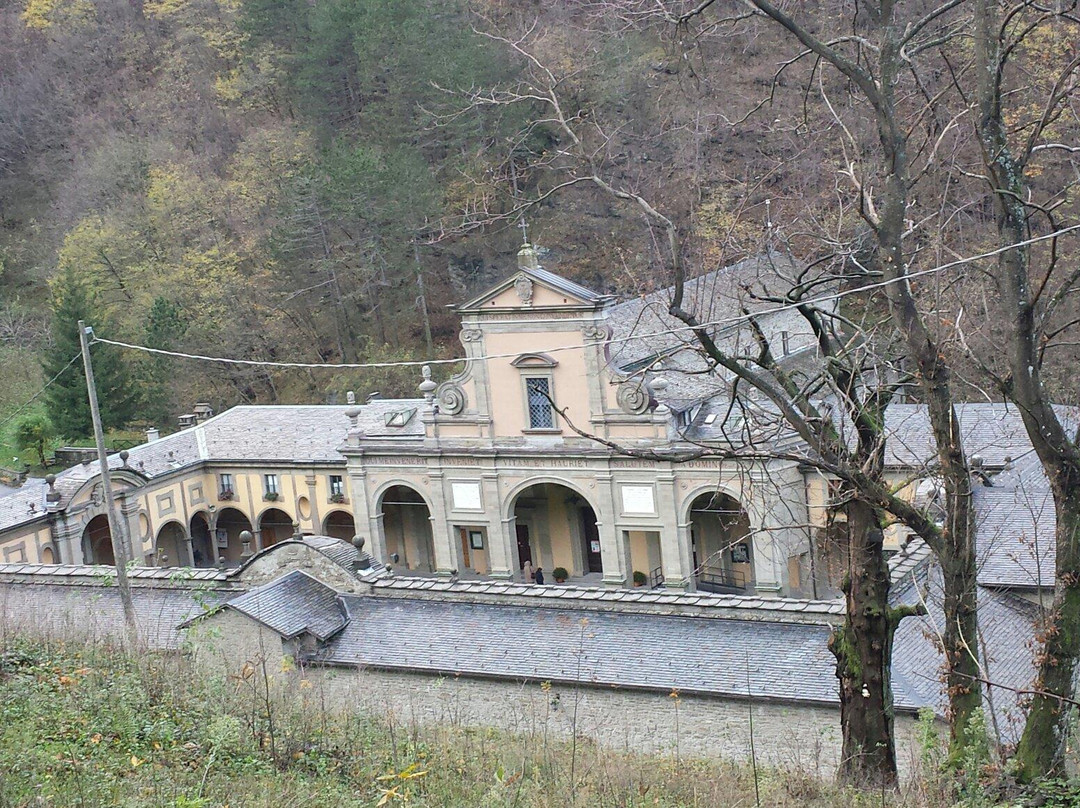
{"x": 37, "y": 395}
{"x": 618, "y": 340}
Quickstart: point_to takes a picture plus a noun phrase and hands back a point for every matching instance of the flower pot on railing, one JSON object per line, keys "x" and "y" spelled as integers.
{"x": 226, "y": 495}
{"x": 271, "y": 496}
{"x": 337, "y": 499}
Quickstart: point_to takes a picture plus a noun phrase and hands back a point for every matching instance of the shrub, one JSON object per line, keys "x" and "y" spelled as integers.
{"x": 34, "y": 432}
{"x": 560, "y": 574}
{"x": 640, "y": 578}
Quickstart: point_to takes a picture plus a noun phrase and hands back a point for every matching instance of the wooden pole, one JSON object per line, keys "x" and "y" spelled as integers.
{"x": 116, "y": 532}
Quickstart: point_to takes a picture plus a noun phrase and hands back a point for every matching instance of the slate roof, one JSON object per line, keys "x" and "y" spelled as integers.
{"x": 1006, "y": 623}
{"x": 15, "y": 506}
{"x": 562, "y": 284}
{"x": 1016, "y": 520}
{"x": 786, "y": 661}
{"x": 294, "y": 604}
{"x": 590, "y": 597}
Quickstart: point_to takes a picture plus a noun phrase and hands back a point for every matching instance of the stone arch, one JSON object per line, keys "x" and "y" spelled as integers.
{"x": 555, "y": 525}
{"x": 721, "y": 539}
{"x": 340, "y": 525}
{"x": 404, "y": 516}
{"x": 97, "y": 541}
{"x": 233, "y": 521}
{"x": 170, "y": 545}
{"x": 202, "y": 541}
{"x": 274, "y": 525}
{"x": 48, "y": 556}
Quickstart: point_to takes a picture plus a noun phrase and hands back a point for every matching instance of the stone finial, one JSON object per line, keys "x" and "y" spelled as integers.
{"x": 353, "y": 414}
{"x": 52, "y": 496}
{"x": 528, "y": 258}
{"x": 296, "y": 534}
{"x": 350, "y": 398}
{"x": 124, "y": 455}
{"x": 245, "y": 541}
{"x": 358, "y": 542}
{"x": 428, "y": 385}
{"x": 658, "y": 385}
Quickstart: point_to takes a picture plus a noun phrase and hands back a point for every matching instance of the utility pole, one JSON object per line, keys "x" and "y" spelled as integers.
{"x": 116, "y": 533}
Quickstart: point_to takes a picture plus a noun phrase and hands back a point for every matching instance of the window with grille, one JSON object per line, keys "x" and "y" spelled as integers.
{"x": 538, "y": 391}
{"x": 337, "y": 486}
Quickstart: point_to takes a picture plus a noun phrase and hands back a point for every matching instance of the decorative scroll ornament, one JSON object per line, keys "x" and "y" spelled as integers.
{"x": 471, "y": 335}
{"x": 451, "y": 397}
{"x": 524, "y": 288}
{"x": 595, "y": 333}
{"x": 633, "y": 398}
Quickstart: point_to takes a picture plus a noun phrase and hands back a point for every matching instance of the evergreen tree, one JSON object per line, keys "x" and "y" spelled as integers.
{"x": 165, "y": 325}
{"x": 67, "y": 398}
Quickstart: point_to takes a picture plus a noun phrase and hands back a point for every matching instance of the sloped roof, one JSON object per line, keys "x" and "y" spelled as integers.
{"x": 638, "y": 324}
{"x": 545, "y": 278}
{"x": 783, "y": 661}
{"x": 1016, "y": 523}
{"x": 292, "y": 605}
{"x": 1006, "y": 624}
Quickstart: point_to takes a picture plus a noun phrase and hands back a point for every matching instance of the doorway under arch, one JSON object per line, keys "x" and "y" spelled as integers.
{"x": 722, "y": 546}
{"x": 97, "y": 541}
{"x": 274, "y": 525}
{"x": 233, "y": 522}
{"x": 202, "y": 547}
{"x": 406, "y": 525}
{"x": 170, "y": 548}
{"x": 556, "y": 527}
{"x": 340, "y": 525}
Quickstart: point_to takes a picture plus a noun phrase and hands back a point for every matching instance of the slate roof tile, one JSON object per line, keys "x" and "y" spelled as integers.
{"x": 294, "y": 604}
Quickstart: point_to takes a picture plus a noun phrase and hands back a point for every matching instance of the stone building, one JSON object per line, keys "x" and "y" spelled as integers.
{"x": 561, "y": 443}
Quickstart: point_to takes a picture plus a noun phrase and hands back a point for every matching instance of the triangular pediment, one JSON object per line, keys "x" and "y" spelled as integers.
{"x": 530, "y": 289}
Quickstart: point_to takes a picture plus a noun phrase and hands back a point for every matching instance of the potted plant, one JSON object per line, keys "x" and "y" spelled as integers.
{"x": 337, "y": 498}
{"x": 225, "y": 494}
{"x": 560, "y": 575}
{"x": 271, "y": 496}
{"x": 640, "y": 578}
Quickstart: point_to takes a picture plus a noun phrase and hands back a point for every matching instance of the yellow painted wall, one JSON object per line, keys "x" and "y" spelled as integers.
{"x": 569, "y": 379}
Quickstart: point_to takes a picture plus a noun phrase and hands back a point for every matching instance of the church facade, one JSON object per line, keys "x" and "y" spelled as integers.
{"x": 581, "y": 435}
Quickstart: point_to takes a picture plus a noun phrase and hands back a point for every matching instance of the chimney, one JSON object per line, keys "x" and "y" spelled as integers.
{"x": 374, "y": 396}
{"x": 152, "y": 434}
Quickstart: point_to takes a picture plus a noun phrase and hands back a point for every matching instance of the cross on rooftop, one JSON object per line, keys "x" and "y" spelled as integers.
{"x": 524, "y": 231}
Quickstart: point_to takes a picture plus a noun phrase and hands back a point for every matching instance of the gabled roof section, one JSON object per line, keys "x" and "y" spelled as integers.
{"x": 294, "y": 604}
{"x": 529, "y": 278}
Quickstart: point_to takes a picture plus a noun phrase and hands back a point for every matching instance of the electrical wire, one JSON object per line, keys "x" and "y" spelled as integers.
{"x": 612, "y": 341}
{"x": 37, "y": 395}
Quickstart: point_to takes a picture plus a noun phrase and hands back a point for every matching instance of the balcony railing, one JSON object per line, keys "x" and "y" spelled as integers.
{"x": 720, "y": 580}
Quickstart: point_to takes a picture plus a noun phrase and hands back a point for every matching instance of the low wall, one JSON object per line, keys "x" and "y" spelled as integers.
{"x": 788, "y": 735}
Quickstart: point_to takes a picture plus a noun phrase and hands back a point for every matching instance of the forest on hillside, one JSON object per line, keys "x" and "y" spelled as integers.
{"x": 318, "y": 181}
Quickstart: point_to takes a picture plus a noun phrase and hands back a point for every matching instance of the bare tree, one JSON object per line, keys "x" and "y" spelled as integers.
{"x": 862, "y": 391}
{"x": 1032, "y": 296}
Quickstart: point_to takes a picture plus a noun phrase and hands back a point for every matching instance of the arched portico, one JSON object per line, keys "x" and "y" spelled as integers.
{"x": 170, "y": 546}
{"x": 274, "y": 525}
{"x": 554, "y": 525}
{"x": 97, "y": 541}
{"x": 721, "y": 540}
{"x": 340, "y": 525}
{"x": 404, "y": 517}
{"x": 233, "y": 522}
{"x": 202, "y": 545}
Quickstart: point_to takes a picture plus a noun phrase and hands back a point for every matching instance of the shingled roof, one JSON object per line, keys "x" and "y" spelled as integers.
{"x": 783, "y": 661}
{"x": 294, "y": 604}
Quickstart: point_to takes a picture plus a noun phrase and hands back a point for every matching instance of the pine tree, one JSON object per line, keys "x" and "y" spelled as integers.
{"x": 67, "y": 399}
{"x": 165, "y": 325}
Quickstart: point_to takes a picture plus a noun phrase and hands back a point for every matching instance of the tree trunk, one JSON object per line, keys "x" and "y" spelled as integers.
{"x": 1042, "y": 746}
{"x": 863, "y": 651}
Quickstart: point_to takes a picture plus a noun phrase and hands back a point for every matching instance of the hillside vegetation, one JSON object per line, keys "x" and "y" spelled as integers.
{"x": 89, "y": 726}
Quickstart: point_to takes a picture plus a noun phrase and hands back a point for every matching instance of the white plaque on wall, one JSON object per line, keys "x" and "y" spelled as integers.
{"x": 466, "y": 496}
{"x": 638, "y": 499}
